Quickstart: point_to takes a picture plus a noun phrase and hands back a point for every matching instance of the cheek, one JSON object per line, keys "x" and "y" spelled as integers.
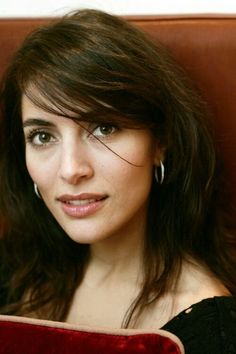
{"x": 135, "y": 174}
{"x": 131, "y": 184}
{"x": 32, "y": 166}
{"x": 40, "y": 171}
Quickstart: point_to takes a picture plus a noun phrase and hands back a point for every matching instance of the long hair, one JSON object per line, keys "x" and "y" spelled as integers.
{"x": 99, "y": 67}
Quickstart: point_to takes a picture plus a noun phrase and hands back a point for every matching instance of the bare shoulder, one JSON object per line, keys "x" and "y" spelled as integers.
{"x": 196, "y": 283}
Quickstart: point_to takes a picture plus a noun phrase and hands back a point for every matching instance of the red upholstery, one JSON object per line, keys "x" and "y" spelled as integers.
{"x": 19, "y": 335}
{"x": 205, "y": 46}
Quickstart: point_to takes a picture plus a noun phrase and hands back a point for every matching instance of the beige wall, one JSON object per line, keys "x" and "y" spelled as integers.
{"x": 22, "y": 8}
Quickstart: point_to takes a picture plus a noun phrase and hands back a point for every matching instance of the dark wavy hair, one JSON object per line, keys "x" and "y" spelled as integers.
{"x": 100, "y": 67}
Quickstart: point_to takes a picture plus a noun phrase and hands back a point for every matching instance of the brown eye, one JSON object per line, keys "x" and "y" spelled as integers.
{"x": 104, "y": 130}
{"x": 40, "y": 138}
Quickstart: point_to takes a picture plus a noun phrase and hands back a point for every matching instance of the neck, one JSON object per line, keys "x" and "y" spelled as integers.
{"x": 118, "y": 258}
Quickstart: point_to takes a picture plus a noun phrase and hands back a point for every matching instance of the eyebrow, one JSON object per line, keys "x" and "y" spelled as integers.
{"x": 38, "y": 122}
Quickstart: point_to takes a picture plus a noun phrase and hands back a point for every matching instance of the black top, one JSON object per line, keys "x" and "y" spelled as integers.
{"x": 207, "y": 327}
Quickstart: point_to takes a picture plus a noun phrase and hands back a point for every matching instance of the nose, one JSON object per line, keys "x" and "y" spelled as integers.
{"x": 75, "y": 163}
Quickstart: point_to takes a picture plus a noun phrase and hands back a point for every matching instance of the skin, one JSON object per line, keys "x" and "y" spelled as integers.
{"x": 62, "y": 157}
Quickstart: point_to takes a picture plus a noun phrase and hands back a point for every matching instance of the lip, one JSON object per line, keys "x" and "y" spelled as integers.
{"x": 82, "y": 205}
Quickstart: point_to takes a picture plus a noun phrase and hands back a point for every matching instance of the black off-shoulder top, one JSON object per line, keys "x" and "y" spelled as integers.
{"x": 207, "y": 327}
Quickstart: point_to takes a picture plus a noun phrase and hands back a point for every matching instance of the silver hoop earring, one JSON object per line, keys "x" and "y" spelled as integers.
{"x": 160, "y": 177}
{"x": 36, "y": 190}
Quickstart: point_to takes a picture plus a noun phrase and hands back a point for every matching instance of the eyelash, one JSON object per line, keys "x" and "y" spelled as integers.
{"x": 36, "y": 132}
{"x": 33, "y": 133}
{"x": 101, "y": 136}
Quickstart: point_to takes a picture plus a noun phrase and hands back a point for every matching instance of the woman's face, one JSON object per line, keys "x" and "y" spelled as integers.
{"x": 95, "y": 179}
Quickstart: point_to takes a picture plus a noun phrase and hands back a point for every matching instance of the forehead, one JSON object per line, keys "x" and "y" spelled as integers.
{"x": 30, "y": 110}
{"x": 27, "y": 106}
{"x": 34, "y": 101}
{"x": 36, "y": 104}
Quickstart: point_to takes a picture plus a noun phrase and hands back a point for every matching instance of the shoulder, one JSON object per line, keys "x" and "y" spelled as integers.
{"x": 208, "y": 326}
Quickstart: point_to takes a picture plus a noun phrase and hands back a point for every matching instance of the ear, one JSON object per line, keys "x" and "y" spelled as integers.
{"x": 159, "y": 154}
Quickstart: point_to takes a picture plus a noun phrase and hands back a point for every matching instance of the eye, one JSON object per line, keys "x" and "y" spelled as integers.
{"x": 40, "y": 138}
{"x": 104, "y": 130}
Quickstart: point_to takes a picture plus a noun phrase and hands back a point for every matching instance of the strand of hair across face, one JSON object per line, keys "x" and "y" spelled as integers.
{"x": 122, "y": 158}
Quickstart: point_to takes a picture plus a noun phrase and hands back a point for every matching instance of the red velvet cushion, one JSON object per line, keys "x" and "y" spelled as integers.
{"x": 28, "y": 336}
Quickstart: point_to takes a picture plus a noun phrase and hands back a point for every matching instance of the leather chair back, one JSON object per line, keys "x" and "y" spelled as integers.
{"x": 204, "y": 45}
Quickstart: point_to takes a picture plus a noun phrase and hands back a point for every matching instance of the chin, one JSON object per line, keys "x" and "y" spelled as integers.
{"x": 85, "y": 238}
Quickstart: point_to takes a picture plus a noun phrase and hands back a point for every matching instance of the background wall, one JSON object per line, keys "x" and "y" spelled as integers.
{"x": 35, "y": 8}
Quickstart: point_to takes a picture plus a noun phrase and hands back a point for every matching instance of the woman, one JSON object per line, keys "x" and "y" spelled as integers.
{"x": 109, "y": 188}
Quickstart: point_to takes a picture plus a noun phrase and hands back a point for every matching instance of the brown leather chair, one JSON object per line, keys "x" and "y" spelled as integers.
{"x": 204, "y": 45}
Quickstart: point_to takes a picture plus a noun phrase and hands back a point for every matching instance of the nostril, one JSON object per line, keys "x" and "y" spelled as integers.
{"x": 73, "y": 171}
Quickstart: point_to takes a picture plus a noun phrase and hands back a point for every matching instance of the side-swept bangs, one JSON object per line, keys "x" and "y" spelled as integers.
{"x": 76, "y": 70}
